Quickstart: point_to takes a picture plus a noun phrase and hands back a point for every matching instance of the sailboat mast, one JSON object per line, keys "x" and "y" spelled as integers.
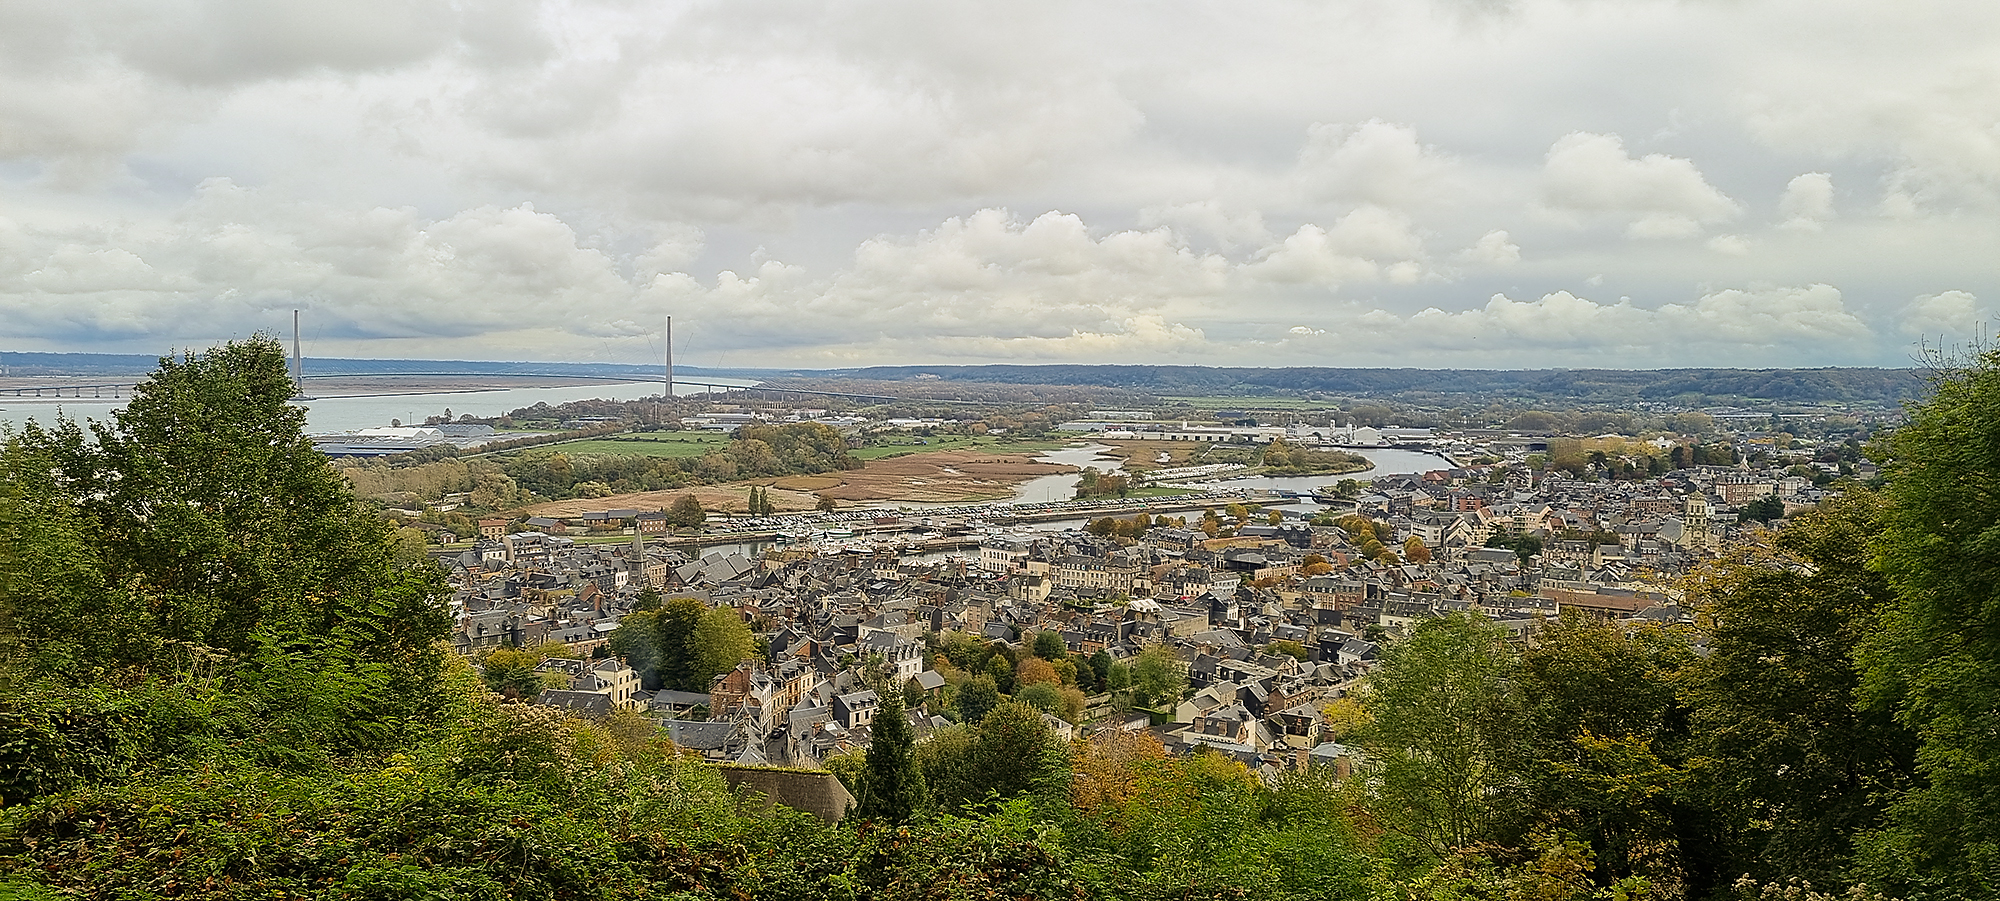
{"x": 670, "y": 358}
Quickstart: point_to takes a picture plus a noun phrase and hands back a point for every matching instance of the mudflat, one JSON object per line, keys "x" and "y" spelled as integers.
{"x": 935, "y": 477}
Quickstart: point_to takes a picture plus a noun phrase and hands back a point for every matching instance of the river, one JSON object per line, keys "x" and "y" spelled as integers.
{"x": 347, "y": 413}
{"x": 1045, "y": 489}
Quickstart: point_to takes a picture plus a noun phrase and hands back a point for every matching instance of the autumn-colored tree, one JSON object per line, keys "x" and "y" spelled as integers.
{"x": 1036, "y": 671}
{"x": 1110, "y": 769}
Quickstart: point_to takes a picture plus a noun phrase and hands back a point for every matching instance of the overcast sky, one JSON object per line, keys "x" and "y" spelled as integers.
{"x": 1479, "y": 183}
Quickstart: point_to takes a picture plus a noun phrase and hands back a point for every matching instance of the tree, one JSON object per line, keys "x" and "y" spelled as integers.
{"x": 1043, "y": 696}
{"x": 1288, "y": 648}
{"x": 1002, "y": 672}
{"x": 1013, "y": 753}
{"x": 1936, "y": 660}
{"x": 1764, "y": 509}
{"x": 1100, "y": 663}
{"x": 683, "y": 645}
{"x": 719, "y": 642}
{"x": 204, "y": 499}
{"x": 1605, "y": 736}
{"x": 1442, "y": 730}
{"x": 1792, "y": 763}
{"x": 1415, "y": 551}
{"x": 976, "y": 698}
{"x": 1049, "y": 645}
{"x": 1157, "y": 676}
{"x": 1036, "y": 671}
{"x": 826, "y": 504}
{"x": 686, "y": 512}
{"x": 892, "y": 787}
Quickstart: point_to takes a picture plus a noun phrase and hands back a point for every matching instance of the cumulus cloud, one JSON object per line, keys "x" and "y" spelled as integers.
{"x": 1229, "y": 228}
{"x": 1375, "y": 162}
{"x": 233, "y": 256}
{"x": 1807, "y": 202}
{"x": 1369, "y": 244}
{"x": 1761, "y": 317}
{"x": 1663, "y": 196}
{"x": 1493, "y": 249}
{"x": 1946, "y": 313}
{"x": 1921, "y": 108}
{"x": 988, "y": 285}
{"x": 1733, "y": 245}
{"x": 543, "y": 178}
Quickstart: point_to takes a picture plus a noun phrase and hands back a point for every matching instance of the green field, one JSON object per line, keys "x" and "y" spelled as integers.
{"x": 652, "y": 444}
{"x": 900, "y": 447}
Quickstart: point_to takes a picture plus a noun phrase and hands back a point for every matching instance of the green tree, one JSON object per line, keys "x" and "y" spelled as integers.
{"x": 976, "y": 698}
{"x": 1443, "y": 732}
{"x": 1764, "y": 509}
{"x": 204, "y": 498}
{"x": 719, "y": 642}
{"x": 1604, "y": 732}
{"x": 1100, "y": 663}
{"x": 826, "y": 504}
{"x": 1043, "y": 696}
{"x": 1001, "y": 670}
{"x": 892, "y": 786}
{"x": 1049, "y": 645}
{"x": 637, "y": 642}
{"x": 1288, "y": 648}
{"x": 1012, "y": 754}
{"x": 686, "y": 512}
{"x": 1157, "y": 676}
{"x": 682, "y": 645}
{"x": 1792, "y": 764}
{"x": 1936, "y": 659}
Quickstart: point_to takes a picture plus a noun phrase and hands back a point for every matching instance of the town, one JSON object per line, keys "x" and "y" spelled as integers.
{"x": 1216, "y": 617}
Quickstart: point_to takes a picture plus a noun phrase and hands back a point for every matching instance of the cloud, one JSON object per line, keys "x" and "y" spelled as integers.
{"x": 988, "y": 285}
{"x": 1369, "y": 244}
{"x": 1663, "y": 196}
{"x": 1918, "y": 108}
{"x": 1375, "y": 162}
{"x": 1229, "y": 229}
{"x": 1492, "y": 249}
{"x": 1807, "y": 202}
{"x": 1945, "y": 314}
{"x": 1561, "y": 321}
{"x": 234, "y": 256}
{"x": 1733, "y": 245}
{"x": 831, "y": 181}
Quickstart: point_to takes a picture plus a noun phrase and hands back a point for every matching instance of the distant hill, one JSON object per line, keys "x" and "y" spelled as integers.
{"x": 1887, "y": 387}
{"x": 1850, "y": 386}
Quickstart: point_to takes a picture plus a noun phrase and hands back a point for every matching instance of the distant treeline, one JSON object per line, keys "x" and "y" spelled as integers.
{"x": 1884, "y": 386}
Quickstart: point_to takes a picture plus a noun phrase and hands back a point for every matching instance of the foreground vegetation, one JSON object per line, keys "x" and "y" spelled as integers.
{"x": 221, "y": 678}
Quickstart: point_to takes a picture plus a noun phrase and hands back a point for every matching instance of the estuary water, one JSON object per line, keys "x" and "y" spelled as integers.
{"x": 1388, "y": 461}
{"x": 347, "y": 413}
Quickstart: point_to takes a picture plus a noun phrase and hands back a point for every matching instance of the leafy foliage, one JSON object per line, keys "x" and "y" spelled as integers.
{"x": 1935, "y": 661}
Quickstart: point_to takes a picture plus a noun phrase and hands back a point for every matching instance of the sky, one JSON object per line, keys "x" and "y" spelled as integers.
{"x": 1410, "y": 183}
